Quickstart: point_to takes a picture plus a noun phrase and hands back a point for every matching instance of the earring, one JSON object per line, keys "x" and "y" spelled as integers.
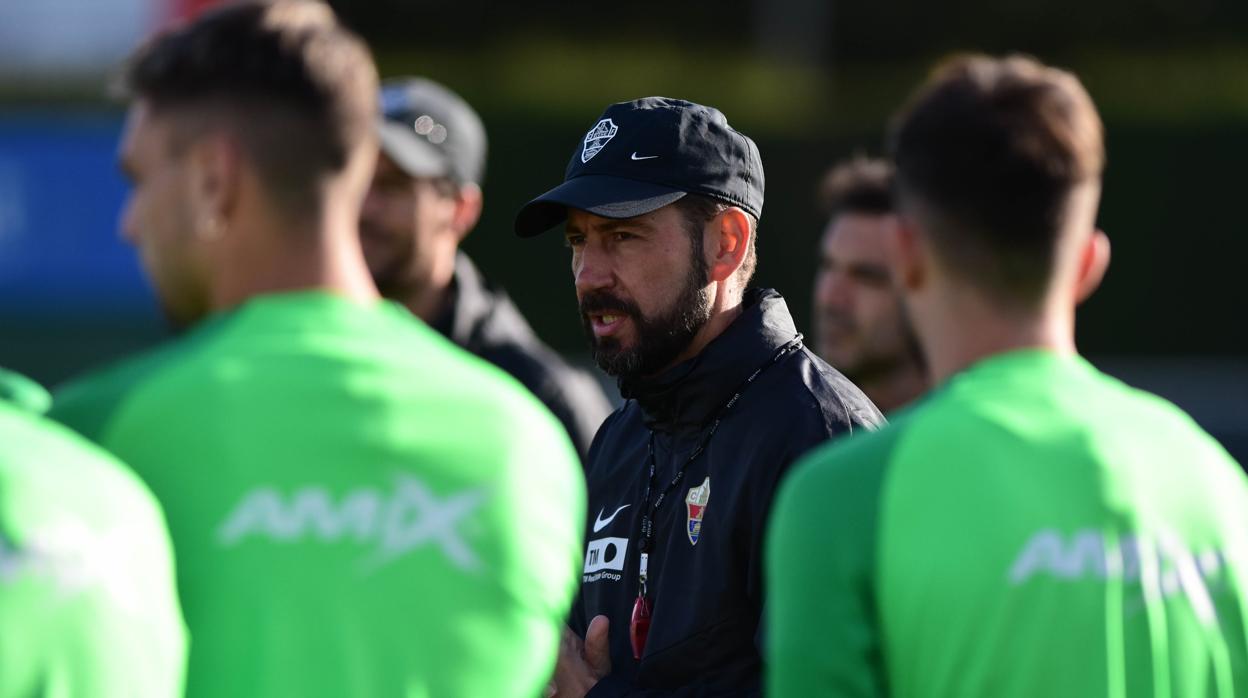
{"x": 213, "y": 229}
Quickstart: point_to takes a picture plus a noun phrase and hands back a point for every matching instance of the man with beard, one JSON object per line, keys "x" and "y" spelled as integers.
{"x": 860, "y": 323}
{"x": 358, "y": 506}
{"x": 661, "y": 200}
{"x": 424, "y": 200}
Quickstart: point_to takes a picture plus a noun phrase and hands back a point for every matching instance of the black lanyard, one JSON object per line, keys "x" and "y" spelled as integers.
{"x": 648, "y": 511}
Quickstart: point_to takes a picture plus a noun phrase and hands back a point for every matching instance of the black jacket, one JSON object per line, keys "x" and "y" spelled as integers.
{"x": 705, "y": 580}
{"x": 483, "y": 320}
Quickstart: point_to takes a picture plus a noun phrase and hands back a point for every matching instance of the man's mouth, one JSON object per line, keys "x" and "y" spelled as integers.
{"x": 606, "y": 324}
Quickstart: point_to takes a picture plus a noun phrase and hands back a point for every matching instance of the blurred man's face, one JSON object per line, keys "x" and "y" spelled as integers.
{"x": 159, "y": 218}
{"x": 641, "y": 286}
{"x": 860, "y": 324}
{"x": 406, "y": 227}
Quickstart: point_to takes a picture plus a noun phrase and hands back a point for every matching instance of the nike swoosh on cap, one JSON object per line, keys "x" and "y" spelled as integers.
{"x": 634, "y": 156}
{"x": 601, "y": 523}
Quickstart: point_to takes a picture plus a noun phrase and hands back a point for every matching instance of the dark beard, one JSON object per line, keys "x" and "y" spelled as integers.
{"x": 875, "y": 367}
{"x": 393, "y": 278}
{"x": 659, "y": 339}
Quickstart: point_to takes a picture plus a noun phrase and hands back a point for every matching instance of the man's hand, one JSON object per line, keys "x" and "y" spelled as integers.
{"x": 581, "y": 664}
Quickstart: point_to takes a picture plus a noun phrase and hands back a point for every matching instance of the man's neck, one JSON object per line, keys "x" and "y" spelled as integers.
{"x": 325, "y": 256}
{"x": 725, "y": 309}
{"x": 895, "y": 388}
{"x": 428, "y": 291}
{"x": 967, "y": 329}
{"x": 425, "y": 302}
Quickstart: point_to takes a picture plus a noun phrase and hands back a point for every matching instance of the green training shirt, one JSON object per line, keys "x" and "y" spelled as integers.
{"x": 88, "y": 607}
{"x": 23, "y": 393}
{"x": 359, "y": 507}
{"x": 1033, "y": 528}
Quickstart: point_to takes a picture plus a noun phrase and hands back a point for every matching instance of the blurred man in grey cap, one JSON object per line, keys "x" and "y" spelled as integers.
{"x": 424, "y": 200}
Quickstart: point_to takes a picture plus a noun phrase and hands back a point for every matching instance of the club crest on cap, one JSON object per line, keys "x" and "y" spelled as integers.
{"x": 597, "y": 138}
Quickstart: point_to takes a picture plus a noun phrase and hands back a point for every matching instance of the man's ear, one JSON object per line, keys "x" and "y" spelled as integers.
{"x": 215, "y": 164}
{"x": 468, "y": 204}
{"x": 909, "y": 270}
{"x": 1093, "y": 262}
{"x": 726, "y": 241}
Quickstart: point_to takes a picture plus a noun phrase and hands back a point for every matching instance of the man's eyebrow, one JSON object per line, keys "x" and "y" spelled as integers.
{"x": 611, "y": 225}
{"x": 869, "y": 268}
{"x": 635, "y": 223}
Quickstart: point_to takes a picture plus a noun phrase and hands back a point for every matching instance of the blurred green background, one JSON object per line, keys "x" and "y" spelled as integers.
{"x": 814, "y": 82}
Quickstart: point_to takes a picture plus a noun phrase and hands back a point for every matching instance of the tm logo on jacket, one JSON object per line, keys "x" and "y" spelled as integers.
{"x": 395, "y": 523}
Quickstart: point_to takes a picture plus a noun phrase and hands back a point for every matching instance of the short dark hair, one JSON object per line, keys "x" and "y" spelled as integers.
{"x": 858, "y": 185}
{"x": 697, "y": 209}
{"x": 297, "y": 88}
{"x": 991, "y": 151}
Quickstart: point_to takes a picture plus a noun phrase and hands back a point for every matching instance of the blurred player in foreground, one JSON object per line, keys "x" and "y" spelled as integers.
{"x": 424, "y": 200}
{"x": 358, "y": 507}
{"x": 88, "y": 605}
{"x": 861, "y": 327}
{"x": 1034, "y": 527}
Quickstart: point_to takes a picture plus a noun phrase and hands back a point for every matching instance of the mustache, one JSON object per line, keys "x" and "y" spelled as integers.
{"x": 600, "y": 302}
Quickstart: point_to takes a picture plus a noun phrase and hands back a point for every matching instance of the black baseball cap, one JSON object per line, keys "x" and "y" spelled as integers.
{"x": 429, "y": 131}
{"x": 645, "y": 154}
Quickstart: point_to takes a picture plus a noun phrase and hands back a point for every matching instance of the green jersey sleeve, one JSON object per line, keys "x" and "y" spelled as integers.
{"x": 822, "y": 636}
{"x": 87, "y": 593}
{"x": 88, "y": 405}
{"x": 23, "y": 393}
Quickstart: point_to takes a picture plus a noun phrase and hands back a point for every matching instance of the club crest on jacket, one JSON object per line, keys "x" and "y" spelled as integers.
{"x": 695, "y": 502}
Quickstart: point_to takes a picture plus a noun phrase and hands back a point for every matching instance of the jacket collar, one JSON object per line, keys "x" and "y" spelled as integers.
{"x": 468, "y": 305}
{"x": 691, "y": 393}
{"x": 478, "y": 315}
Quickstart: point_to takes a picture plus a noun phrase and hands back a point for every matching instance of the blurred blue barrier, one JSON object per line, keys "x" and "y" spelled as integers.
{"x": 60, "y": 197}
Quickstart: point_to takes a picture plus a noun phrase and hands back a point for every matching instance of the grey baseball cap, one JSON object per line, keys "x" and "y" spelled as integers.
{"x": 429, "y": 131}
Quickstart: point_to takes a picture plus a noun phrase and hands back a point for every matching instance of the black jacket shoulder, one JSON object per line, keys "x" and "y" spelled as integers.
{"x": 483, "y": 320}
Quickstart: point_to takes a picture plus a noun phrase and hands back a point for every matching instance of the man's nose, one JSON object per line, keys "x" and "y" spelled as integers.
{"x": 591, "y": 268}
{"x": 128, "y": 228}
{"x": 832, "y": 290}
